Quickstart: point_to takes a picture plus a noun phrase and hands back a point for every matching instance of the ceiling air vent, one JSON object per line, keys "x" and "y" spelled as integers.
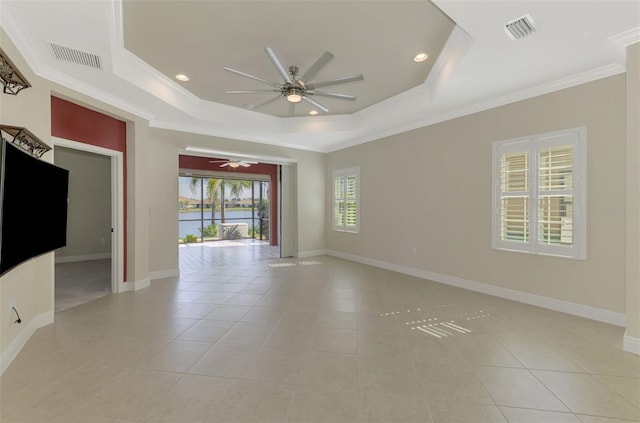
{"x": 78, "y": 57}
{"x": 521, "y": 27}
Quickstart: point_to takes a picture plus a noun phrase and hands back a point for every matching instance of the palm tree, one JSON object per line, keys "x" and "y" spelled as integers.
{"x": 235, "y": 189}
{"x": 236, "y": 186}
{"x": 213, "y": 185}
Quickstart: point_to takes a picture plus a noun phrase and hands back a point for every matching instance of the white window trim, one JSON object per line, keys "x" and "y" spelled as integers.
{"x": 533, "y": 144}
{"x": 343, "y": 173}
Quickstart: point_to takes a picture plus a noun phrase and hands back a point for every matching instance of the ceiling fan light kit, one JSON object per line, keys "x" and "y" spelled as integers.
{"x": 295, "y": 89}
{"x": 294, "y": 95}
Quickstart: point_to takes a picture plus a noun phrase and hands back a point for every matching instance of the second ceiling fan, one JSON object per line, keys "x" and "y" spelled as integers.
{"x": 233, "y": 163}
{"x": 296, "y": 89}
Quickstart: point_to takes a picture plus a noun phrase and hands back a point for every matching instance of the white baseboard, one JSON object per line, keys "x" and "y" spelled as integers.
{"x": 588, "y": 312}
{"x": 631, "y": 344}
{"x": 85, "y": 257}
{"x": 11, "y": 352}
{"x": 138, "y": 285}
{"x": 167, "y": 273}
{"x": 312, "y": 253}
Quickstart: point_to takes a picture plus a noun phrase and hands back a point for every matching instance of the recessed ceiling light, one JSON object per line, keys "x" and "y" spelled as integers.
{"x": 182, "y": 77}
{"x": 420, "y": 57}
{"x": 313, "y": 112}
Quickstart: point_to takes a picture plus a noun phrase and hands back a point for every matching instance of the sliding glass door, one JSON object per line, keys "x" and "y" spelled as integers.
{"x": 213, "y": 209}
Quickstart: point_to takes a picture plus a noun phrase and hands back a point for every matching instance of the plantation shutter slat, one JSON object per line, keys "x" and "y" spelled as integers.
{"x": 514, "y": 202}
{"x": 352, "y": 207}
{"x": 339, "y": 187}
{"x": 515, "y": 219}
{"x": 339, "y": 204}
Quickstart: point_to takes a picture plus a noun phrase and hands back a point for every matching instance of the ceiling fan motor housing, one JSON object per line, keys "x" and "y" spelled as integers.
{"x": 296, "y": 87}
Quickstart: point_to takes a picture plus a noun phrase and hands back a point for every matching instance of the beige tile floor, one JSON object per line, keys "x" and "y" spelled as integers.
{"x": 244, "y": 337}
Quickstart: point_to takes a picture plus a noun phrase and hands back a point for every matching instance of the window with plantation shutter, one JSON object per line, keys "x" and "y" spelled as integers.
{"x": 539, "y": 194}
{"x": 346, "y": 211}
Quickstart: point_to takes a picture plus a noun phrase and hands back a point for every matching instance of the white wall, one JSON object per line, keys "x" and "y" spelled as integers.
{"x": 430, "y": 189}
{"x": 28, "y": 287}
{"x": 164, "y": 191}
{"x": 89, "y": 213}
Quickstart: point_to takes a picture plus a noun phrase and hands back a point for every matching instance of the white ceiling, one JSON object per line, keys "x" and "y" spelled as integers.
{"x": 478, "y": 67}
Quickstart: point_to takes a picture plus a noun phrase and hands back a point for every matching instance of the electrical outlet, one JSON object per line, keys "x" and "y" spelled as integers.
{"x": 414, "y": 251}
{"x": 102, "y": 241}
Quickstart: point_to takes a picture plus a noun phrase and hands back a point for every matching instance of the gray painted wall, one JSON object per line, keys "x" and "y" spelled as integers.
{"x": 89, "y": 217}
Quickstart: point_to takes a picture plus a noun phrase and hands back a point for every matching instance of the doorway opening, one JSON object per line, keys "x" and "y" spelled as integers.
{"x": 228, "y": 215}
{"x": 241, "y": 201}
{"x": 91, "y": 264}
{"x": 219, "y": 209}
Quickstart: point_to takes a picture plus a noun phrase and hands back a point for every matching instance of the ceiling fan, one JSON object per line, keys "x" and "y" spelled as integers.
{"x": 233, "y": 163}
{"x": 296, "y": 89}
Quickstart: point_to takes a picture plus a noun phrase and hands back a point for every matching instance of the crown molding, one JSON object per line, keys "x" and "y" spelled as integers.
{"x": 137, "y": 72}
{"x": 626, "y": 38}
{"x": 232, "y": 134}
{"x": 190, "y": 150}
{"x": 399, "y": 102}
{"x": 557, "y": 85}
{"x": 95, "y": 93}
{"x": 452, "y": 53}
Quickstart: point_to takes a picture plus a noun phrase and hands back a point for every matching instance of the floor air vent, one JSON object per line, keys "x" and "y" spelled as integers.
{"x": 78, "y": 57}
{"x": 521, "y": 27}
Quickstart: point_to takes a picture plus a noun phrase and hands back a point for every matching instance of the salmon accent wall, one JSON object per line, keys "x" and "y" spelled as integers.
{"x": 202, "y": 163}
{"x": 73, "y": 122}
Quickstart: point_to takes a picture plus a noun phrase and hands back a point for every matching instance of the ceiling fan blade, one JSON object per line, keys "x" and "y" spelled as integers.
{"x": 248, "y": 75}
{"x": 278, "y": 64}
{"x": 244, "y": 164}
{"x": 264, "y": 102}
{"x": 315, "y": 103}
{"x": 224, "y": 164}
{"x": 343, "y": 80}
{"x": 292, "y": 108}
{"x": 251, "y": 91}
{"x": 333, "y": 95}
{"x": 322, "y": 60}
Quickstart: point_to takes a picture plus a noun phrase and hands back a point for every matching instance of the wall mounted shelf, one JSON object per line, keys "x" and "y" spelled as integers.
{"x": 11, "y": 78}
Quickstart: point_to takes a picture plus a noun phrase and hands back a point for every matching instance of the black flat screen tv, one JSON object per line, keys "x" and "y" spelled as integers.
{"x": 33, "y": 206}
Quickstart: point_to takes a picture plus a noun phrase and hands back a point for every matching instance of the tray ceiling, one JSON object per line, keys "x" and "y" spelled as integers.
{"x": 473, "y": 65}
